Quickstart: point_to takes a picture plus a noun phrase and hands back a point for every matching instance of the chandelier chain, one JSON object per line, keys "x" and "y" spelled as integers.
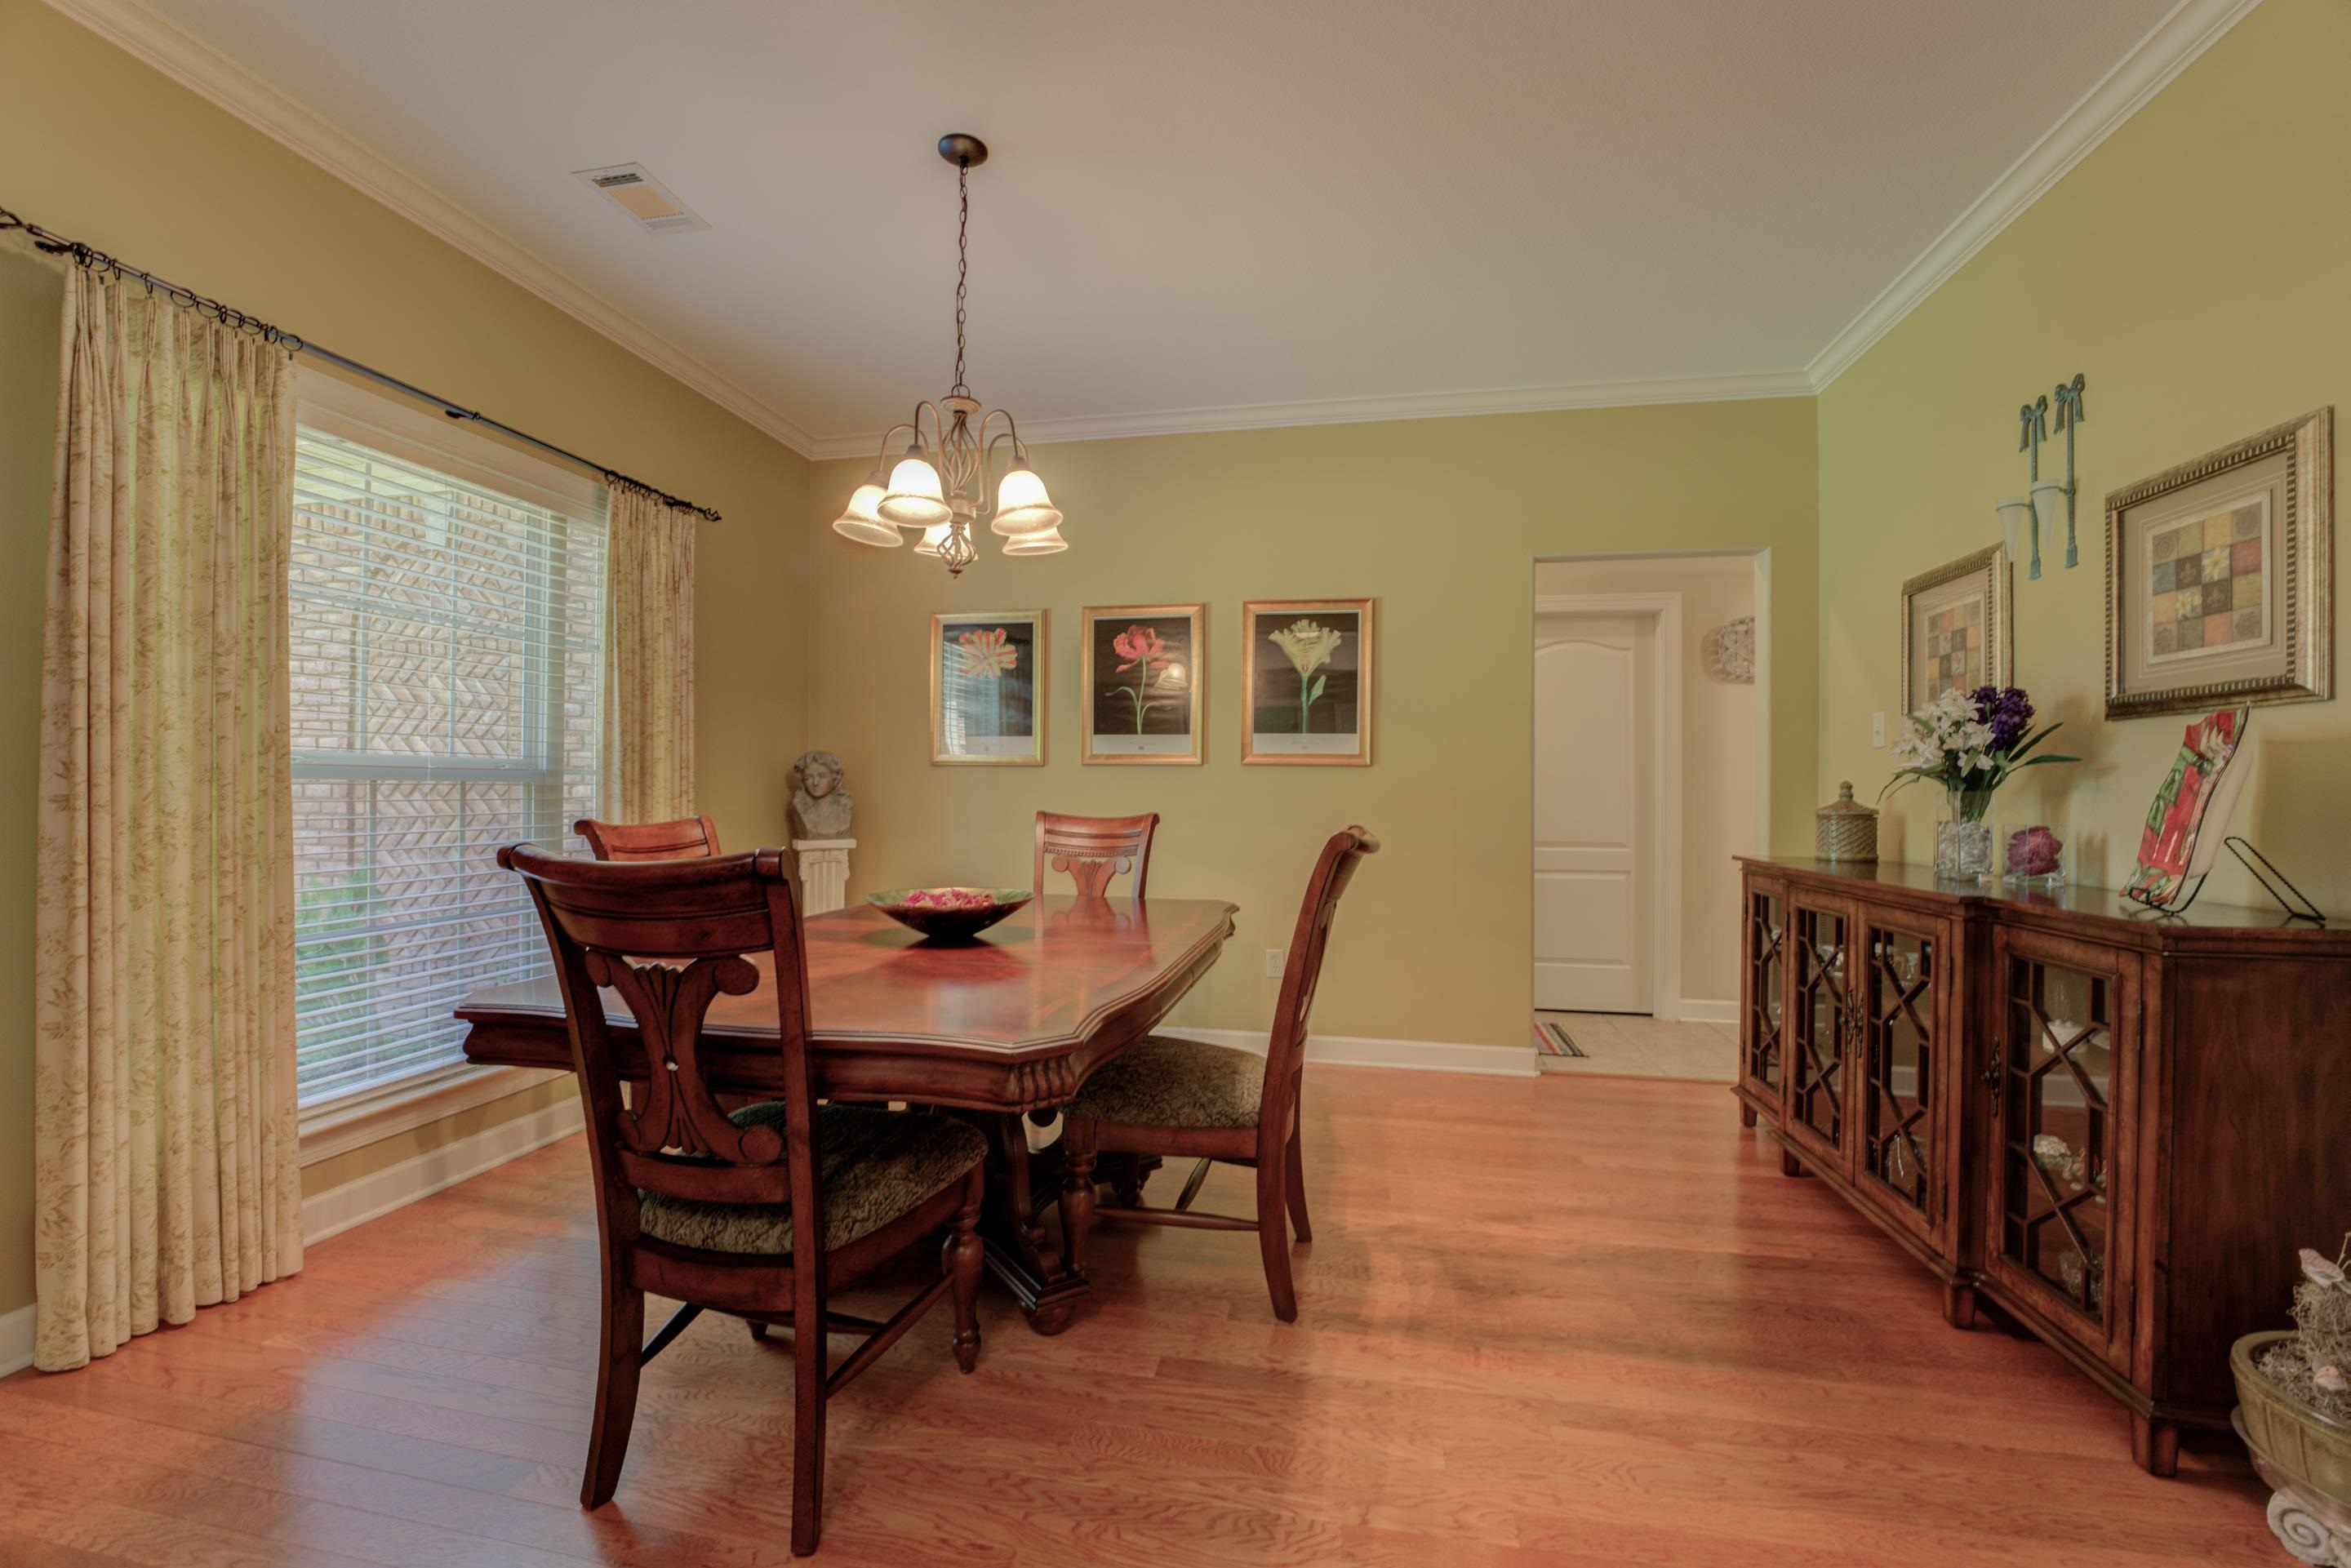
{"x": 963, "y": 264}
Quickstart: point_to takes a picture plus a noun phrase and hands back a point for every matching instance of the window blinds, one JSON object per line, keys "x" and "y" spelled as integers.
{"x": 447, "y": 663}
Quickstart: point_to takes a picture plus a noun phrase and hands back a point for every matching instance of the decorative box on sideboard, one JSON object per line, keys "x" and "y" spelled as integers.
{"x": 2117, "y": 1129}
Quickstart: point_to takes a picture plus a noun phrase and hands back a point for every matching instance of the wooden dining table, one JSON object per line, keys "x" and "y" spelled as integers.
{"x": 997, "y": 1027}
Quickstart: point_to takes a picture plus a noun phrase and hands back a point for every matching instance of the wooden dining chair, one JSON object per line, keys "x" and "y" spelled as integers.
{"x": 760, "y": 1214}
{"x": 688, "y": 838}
{"x": 1093, "y": 849}
{"x": 1182, "y": 1098}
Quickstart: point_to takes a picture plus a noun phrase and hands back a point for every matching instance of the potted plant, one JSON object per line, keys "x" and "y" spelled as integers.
{"x": 1969, "y": 742}
{"x": 2293, "y": 1411}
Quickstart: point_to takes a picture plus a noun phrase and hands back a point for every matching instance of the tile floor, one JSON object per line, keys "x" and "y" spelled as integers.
{"x": 1633, "y": 1045}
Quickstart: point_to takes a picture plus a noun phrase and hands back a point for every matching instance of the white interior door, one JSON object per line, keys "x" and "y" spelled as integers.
{"x": 1595, "y": 858}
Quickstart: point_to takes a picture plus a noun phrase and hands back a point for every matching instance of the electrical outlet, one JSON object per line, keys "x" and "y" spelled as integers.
{"x": 1273, "y": 956}
{"x": 1878, "y": 730}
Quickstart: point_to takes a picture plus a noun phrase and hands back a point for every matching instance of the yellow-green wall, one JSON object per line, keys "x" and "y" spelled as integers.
{"x": 1441, "y": 520}
{"x": 2196, "y": 267}
{"x": 96, "y": 145}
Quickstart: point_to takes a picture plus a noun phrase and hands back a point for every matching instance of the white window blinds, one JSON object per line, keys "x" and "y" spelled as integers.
{"x": 447, "y": 663}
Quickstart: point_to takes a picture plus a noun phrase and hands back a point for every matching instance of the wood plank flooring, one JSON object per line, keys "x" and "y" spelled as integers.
{"x": 1557, "y": 1322}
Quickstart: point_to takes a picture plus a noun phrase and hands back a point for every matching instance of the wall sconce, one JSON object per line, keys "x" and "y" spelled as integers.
{"x": 2039, "y": 511}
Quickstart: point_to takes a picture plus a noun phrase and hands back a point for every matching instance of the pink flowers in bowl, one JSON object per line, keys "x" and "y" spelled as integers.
{"x": 955, "y": 898}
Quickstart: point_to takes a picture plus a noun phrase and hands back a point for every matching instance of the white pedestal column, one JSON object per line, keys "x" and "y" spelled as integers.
{"x": 824, "y": 874}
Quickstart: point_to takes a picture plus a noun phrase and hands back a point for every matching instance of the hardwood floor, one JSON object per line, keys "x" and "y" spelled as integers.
{"x": 1557, "y": 1322}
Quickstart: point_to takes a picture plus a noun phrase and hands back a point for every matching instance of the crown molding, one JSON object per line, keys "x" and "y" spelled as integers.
{"x": 187, "y": 59}
{"x": 2193, "y": 26}
{"x": 1368, "y": 410}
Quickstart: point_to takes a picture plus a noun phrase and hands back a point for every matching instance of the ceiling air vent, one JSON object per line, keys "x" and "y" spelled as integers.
{"x": 643, "y": 198}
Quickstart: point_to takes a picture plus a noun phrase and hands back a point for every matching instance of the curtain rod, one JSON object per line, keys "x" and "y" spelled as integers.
{"x": 97, "y": 260}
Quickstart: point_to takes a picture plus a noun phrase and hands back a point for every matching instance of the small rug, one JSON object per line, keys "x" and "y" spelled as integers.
{"x": 1553, "y": 1040}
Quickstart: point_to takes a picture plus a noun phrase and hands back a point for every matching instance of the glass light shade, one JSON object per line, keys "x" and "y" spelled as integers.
{"x": 2015, "y": 520}
{"x": 2049, "y": 509}
{"x": 1049, "y": 542}
{"x": 933, "y": 537}
{"x": 861, "y": 523}
{"x": 1022, "y": 506}
{"x": 914, "y": 499}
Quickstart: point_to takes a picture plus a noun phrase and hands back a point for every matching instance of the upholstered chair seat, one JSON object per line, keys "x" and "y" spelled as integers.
{"x": 1163, "y": 1082}
{"x": 872, "y": 1166}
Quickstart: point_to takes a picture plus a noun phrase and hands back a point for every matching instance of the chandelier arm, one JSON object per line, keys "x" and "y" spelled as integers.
{"x": 937, "y": 423}
{"x": 889, "y": 435}
{"x": 988, "y": 461}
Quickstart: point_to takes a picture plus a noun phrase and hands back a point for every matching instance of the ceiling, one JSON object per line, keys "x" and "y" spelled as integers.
{"x": 1213, "y": 213}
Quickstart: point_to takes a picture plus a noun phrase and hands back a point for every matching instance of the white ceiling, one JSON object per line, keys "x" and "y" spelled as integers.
{"x": 1216, "y": 211}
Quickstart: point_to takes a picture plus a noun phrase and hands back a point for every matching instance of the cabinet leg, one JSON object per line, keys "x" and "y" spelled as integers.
{"x": 1746, "y": 1114}
{"x": 2154, "y": 1446}
{"x": 1790, "y": 1165}
{"x": 1960, "y": 1304}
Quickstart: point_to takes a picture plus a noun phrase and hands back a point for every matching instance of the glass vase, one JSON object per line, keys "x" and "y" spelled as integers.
{"x": 1963, "y": 839}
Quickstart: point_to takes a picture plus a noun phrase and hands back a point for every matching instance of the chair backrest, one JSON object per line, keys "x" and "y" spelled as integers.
{"x": 1093, "y": 849}
{"x": 670, "y": 937}
{"x": 687, "y": 839}
{"x": 1286, "y": 1051}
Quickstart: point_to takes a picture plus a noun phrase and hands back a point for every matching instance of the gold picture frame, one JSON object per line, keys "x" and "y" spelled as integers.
{"x": 2220, "y": 577}
{"x": 989, "y": 673}
{"x": 1299, "y": 656}
{"x": 1958, "y": 628}
{"x": 1142, "y": 683}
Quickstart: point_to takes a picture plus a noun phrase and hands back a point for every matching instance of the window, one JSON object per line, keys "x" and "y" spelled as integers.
{"x": 447, "y": 630}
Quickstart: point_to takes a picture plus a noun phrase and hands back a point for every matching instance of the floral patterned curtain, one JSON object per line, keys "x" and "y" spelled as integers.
{"x": 648, "y": 753}
{"x": 165, "y": 1151}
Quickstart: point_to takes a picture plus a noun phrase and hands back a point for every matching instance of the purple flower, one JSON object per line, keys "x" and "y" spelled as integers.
{"x": 2007, "y": 710}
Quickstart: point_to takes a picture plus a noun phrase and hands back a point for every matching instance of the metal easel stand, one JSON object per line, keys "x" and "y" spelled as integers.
{"x": 2290, "y": 898}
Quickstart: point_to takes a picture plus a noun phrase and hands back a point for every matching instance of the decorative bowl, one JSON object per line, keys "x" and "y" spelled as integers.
{"x": 953, "y": 913}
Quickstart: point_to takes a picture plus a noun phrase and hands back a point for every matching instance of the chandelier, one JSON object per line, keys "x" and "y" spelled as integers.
{"x": 949, "y": 454}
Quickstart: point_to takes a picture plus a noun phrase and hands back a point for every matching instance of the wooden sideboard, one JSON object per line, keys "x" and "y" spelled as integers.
{"x": 2117, "y": 1130}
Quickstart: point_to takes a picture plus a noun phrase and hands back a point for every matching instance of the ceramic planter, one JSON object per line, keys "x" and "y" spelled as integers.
{"x": 2304, "y": 1457}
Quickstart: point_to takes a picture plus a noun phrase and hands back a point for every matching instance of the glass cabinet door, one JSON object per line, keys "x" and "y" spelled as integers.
{"x": 1824, "y": 1028}
{"x": 1767, "y": 949}
{"x": 1898, "y": 1067}
{"x": 2059, "y": 1096}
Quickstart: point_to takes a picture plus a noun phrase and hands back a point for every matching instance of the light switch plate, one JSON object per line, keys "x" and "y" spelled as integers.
{"x": 1878, "y": 730}
{"x": 1273, "y": 956}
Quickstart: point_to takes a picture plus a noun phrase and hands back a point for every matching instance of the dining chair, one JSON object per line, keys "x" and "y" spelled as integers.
{"x": 1093, "y": 849}
{"x": 688, "y": 838}
{"x": 706, "y": 1207}
{"x": 1184, "y": 1099}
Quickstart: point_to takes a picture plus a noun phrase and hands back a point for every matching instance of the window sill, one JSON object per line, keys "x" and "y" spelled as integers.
{"x": 354, "y": 1120}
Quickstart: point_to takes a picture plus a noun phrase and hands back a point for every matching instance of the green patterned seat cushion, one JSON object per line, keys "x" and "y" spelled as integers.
{"x": 872, "y": 1166}
{"x": 1167, "y": 1082}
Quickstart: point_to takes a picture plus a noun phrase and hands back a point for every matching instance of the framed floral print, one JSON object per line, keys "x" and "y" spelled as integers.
{"x": 1306, "y": 676}
{"x": 1956, "y": 634}
{"x": 1139, "y": 686}
{"x": 2220, "y": 577}
{"x": 988, "y": 688}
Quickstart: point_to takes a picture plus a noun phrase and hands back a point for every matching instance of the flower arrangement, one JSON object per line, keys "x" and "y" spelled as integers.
{"x": 1970, "y": 743}
{"x": 1144, "y": 651}
{"x": 1308, "y": 645}
{"x": 951, "y": 898}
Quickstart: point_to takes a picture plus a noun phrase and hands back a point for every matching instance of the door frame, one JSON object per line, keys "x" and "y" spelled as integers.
{"x": 1665, "y": 766}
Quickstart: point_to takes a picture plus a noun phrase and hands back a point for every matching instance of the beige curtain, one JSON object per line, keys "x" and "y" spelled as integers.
{"x": 165, "y": 1156}
{"x": 648, "y": 755}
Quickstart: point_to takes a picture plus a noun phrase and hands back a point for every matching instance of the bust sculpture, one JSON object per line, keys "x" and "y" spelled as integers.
{"x": 821, "y": 809}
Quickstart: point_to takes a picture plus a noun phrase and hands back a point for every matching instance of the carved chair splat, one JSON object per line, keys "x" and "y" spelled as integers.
{"x": 1093, "y": 849}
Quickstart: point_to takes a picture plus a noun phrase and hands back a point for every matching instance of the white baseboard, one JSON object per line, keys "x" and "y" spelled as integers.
{"x": 1706, "y": 1009}
{"x": 1358, "y": 1051}
{"x": 16, "y": 1339}
{"x": 337, "y": 1209}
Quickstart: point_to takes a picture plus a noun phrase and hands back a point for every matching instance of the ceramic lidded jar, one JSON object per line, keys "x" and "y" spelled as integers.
{"x": 1844, "y": 829}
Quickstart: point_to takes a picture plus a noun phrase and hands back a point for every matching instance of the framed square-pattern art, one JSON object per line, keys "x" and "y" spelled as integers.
{"x": 1956, "y": 634}
{"x": 1139, "y": 688}
{"x": 1306, "y": 681}
{"x": 2220, "y": 578}
{"x": 988, "y": 688}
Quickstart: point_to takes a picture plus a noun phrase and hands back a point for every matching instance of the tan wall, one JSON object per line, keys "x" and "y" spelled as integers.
{"x": 1720, "y": 787}
{"x": 95, "y": 145}
{"x": 2196, "y": 267}
{"x": 1442, "y": 520}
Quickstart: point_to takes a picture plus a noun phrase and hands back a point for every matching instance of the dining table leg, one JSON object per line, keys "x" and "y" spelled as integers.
{"x": 1022, "y": 1251}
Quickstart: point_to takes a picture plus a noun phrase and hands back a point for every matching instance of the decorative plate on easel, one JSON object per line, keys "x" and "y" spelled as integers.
{"x": 2190, "y": 813}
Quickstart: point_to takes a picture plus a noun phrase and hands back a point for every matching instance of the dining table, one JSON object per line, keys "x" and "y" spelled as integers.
{"x": 1001, "y": 1027}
